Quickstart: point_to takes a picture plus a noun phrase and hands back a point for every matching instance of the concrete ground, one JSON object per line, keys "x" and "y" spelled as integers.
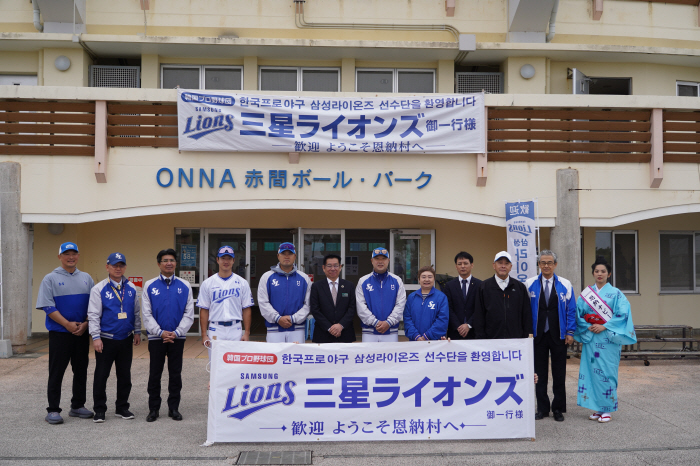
{"x": 658, "y": 423}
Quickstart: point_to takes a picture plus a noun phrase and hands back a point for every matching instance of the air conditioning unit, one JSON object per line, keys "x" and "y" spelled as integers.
{"x": 115, "y": 76}
{"x": 468, "y": 83}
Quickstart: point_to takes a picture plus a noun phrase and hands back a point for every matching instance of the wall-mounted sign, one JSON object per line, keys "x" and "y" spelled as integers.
{"x": 433, "y": 124}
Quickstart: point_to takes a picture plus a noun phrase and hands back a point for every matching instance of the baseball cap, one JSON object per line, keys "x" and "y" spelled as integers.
{"x": 503, "y": 254}
{"x": 226, "y": 251}
{"x": 116, "y": 258}
{"x": 380, "y": 252}
{"x": 287, "y": 247}
{"x": 65, "y": 247}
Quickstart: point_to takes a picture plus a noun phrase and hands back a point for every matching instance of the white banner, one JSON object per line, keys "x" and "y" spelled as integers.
{"x": 522, "y": 230}
{"x": 219, "y": 121}
{"x": 436, "y": 390}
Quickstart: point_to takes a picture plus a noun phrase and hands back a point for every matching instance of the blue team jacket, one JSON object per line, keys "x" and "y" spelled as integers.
{"x": 566, "y": 308}
{"x": 168, "y": 303}
{"x": 287, "y": 294}
{"x": 427, "y": 318}
{"x": 380, "y": 296}
{"x": 111, "y": 326}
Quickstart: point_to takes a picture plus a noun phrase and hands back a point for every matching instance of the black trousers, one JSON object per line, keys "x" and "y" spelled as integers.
{"x": 64, "y": 348}
{"x": 120, "y": 353}
{"x": 159, "y": 351}
{"x": 545, "y": 347}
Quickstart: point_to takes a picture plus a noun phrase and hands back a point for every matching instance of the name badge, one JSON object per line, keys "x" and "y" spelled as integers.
{"x": 121, "y": 315}
{"x": 343, "y": 295}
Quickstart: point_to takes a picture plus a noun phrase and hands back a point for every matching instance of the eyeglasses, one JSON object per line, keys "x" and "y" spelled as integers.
{"x": 548, "y": 264}
{"x": 336, "y": 266}
{"x": 168, "y": 261}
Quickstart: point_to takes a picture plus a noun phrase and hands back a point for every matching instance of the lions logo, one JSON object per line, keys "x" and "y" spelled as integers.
{"x": 298, "y": 282}
{"x": 431, "y": 305}
{"x": 369, "y": 287}
{"x": 155, "y": 291}
{"x": 109, "y": 295}
{"x": 130, "y": 293}
{"x": 179, "y": 291}
{"x": 275, "y": 282}
{"x": 393, "y": 287}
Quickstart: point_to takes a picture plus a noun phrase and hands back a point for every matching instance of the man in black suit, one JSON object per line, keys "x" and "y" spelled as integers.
{"x": 332, "y": 304}
{"x": 460, "y": 296}
{"x": 553, "y": 305}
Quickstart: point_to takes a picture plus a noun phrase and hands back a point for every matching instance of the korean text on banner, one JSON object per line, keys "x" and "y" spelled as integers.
{"x": 281, "y": 392}
{"x": 520, "y": 223}
{"x": 220, "y": 121}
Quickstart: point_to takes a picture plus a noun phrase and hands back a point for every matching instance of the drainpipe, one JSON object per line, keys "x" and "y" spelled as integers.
{"x": 37, "y": 22}
{"x": 553, "y": 21}
{"x": 301, "y": 23}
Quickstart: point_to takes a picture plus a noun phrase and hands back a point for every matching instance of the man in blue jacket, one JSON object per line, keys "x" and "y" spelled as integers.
{"x": 553, "y": 306}
{"x": 64, "y": 295}
{"x": 115, "y": 325}
{"x": 381, "y": 299}
{"x": 168, "y": 313}
{"x": 283, "y": 297}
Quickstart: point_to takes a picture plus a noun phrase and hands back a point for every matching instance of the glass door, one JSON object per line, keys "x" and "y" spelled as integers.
{"x": 315, "y": 245}
{"x": 239, "y": 240}
{"x": 410, "y": 250}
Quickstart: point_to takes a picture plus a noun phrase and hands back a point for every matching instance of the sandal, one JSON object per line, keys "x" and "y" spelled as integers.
{"x": 594, "y": 416}
{"x": 605, "y": 417}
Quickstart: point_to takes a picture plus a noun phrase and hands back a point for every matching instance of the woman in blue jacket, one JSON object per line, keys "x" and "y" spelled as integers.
{"x": 427, "y": 311}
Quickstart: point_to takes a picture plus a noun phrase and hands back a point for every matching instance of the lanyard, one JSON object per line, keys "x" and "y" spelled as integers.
{"x": 117, "y": 292}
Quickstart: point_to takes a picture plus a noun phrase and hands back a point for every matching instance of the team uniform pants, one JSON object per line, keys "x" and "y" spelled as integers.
{"x": 120, "y": 353}
{"x": 385, "y": 338}
{"x": 295, "y": 336}
{"x": 218, "y": 331}
{"x": 159, "y": 350}
{"x": 65, "y": 347}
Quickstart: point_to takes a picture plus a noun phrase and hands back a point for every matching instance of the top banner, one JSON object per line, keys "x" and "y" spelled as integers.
{"x": 436, "y": 124}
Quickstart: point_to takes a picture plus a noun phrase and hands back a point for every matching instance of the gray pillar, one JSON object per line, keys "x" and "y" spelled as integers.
{"x": 15, "y": 251}
{"x": 565, "y": 237}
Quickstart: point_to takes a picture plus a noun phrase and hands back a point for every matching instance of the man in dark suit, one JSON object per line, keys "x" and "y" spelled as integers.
{"x": 553, "y": 305}
{"x": 332, "y": 304}
{"x": 460, "y": 294}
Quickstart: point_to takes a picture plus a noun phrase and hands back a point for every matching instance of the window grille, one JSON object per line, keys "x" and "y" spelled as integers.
{"x": 115, "y": 76}
{"x": 468, "y": 83}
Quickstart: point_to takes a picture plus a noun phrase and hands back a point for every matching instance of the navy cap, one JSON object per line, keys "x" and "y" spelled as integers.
{"x": 116, "y": 258}
{"x": 380, "y": 252}
{"x": 65, "y": 247}
{"x": 286, "y": 247}
{"x": 225, "y": 251}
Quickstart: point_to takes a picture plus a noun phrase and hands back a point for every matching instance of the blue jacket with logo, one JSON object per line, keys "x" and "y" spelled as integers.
{"x": 283, "y": 293}
{"x": 380, "y": 298}
{"x": 104, "y": 309}
{"x": 427, "y": 317}
{"x": 567, "y": 303}
{"x": 167, "y": 307}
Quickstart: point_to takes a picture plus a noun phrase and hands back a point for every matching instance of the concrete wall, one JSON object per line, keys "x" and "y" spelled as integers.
{"x": 76, "y": 75}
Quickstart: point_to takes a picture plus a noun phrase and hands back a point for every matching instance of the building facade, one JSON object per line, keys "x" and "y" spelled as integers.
{"x": 591, "y": 108}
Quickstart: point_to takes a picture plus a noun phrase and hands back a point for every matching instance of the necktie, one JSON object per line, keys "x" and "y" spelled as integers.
{"x": 167, "y": 281}
{"x": 546, "y": 299}
{"x": 334, "y": 292}
{"x": 464, "y": 289}
{"x": 119, "y": 286}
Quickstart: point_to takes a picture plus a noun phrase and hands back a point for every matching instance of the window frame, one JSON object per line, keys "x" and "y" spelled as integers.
{"x": 300, "y": 75}
{"x": 202, "y": 73}
{"x": 395, "y": 77}
{"x": 613, "y": 280}
{"x": 687, "y": 83}
{"x": 692, "y": 234}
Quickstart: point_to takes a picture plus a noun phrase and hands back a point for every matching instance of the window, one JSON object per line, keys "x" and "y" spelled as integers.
{"x": 619, "y": 248}
{"x": 687, "y": 89}
{"x": 202, "y": 77}
{"x": 388, "y": 80}
{"x": 17, "y": 80}
{"x": 679, "y": 261}
{"x": 299, "y": 79}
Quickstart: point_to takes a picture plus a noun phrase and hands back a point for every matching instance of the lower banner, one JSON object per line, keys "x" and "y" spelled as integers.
{"x": 434, "y": 390}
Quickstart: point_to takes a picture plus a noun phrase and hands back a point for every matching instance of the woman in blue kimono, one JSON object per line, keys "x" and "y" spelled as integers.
{"x": 603, "y": 325}
{"x": 427, "y": 311}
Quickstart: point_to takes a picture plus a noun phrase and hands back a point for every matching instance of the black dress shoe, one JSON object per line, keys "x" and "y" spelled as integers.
{"x": 152, "y": 416}
{"x": 539, "y": 415}
{"x": 173, "y": 413}
{"x": 558, "y": 416}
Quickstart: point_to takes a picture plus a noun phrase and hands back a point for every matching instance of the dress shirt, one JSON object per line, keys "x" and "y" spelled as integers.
{"x": 502, "y": 284}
